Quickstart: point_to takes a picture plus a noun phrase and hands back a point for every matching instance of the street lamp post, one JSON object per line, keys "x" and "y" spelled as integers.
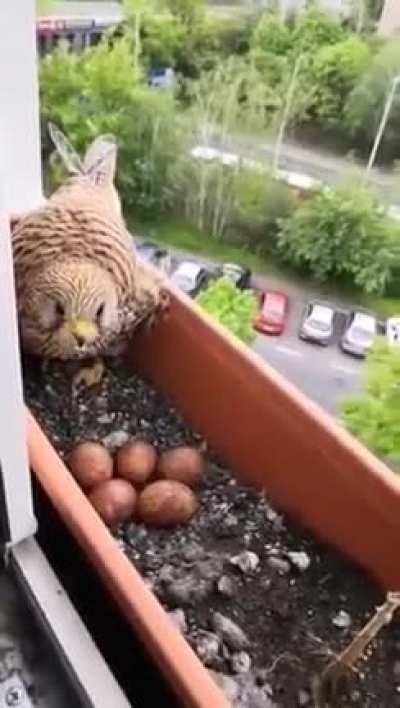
{"x": 383, "y": 122}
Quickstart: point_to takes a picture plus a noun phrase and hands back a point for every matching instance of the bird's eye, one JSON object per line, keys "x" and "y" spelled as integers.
{"x": 60, "y": 310}
{"x": 100, "y": 312}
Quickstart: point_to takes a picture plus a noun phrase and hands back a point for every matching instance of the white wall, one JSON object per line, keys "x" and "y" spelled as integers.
{"x": 390, "y": 19}
{"x": 20, "y": 169}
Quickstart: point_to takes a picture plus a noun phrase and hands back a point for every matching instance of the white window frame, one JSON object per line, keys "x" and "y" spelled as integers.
{"x": 20, "y": 190}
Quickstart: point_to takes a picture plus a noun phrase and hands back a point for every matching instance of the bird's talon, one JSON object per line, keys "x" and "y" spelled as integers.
{"x": 89, "y": 375}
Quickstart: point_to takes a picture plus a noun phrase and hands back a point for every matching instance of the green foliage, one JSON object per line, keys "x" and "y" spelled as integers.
{"x": 336, "y": 70}
{"x": 272, "y": 36}
{"x": 99, "y": 91}
{"x": 234, "y": 309}
{"x": 188, "y": 11}
{"x": 229, "y": 98}
{"x": 163, "y": 40}
{"x": 314, "y": 29}
{"x": 259, "y": 202}
{"x": 374, "y": 416}
{"x": 340, "y": 233}
{"x": 365, "y": 103}
{"x": 329, "y": 65}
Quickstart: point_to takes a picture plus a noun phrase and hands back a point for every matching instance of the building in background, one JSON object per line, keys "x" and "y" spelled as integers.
{"x": 390, "y": 19}
{"x": 80, "y": 23}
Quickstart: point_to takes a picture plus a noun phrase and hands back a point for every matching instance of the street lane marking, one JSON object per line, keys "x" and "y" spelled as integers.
{"x": 288, "y": 350}
{"x": 344, "y": 369}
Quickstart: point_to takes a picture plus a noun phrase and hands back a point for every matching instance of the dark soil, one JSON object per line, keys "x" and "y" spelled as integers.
{"x": 289, "y": 616}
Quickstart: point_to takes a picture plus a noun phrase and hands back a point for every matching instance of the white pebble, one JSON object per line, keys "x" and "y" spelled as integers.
{"x": 342, "y": 620}
{"x": 247, "y": 561}
{"x": 300, "y": 559}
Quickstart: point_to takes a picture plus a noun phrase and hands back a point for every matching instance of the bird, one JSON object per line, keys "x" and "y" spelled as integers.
{"x": 81, "y": 290}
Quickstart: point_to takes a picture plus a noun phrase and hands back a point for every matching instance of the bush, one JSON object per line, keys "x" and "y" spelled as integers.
{"x": 234, "y": 309}
{"x": 341, "y": 233}
{"x": 99, "y": 91}
{"x": 374, "y": 416}
{"x": 259, "y": 203}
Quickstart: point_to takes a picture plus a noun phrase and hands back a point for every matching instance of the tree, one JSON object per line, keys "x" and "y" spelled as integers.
{"x": 233, "y": 308}
{"x": 374, "y": 416}
{"x": 222, "y": 100}
{"x": 336, "y": 70}
{"x": 188, "y": 11}
{"x": 341, "y": 233}
{"x": 314, "y": 29}
{"x": 99, "y": 91}
{"x": 364, "y": 106}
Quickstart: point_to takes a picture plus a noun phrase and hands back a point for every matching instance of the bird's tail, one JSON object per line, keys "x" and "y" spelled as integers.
{"x": 98, "y": 166}
{"x": 100, "y": 160}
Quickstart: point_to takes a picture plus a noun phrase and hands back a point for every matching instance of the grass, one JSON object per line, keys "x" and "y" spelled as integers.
{"x": 386, "y": 306}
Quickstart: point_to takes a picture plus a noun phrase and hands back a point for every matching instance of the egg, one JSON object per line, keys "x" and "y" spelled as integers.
{"x": 90, "y": 463}
{"x": 166, "y": 503}
{"x": 114, "y": 500}
{"x": 136, "y": 461}
{"x": 181, "y": 464}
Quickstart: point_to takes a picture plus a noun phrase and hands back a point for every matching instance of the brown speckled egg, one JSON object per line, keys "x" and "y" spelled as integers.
{"x": 90, "y": 463}
{"x": 182, "y": 464}
{"x": 166, "y": 503}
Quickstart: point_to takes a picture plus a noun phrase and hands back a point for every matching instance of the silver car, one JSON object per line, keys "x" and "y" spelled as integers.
{"x": 190, "y": 277}
{"x": 359, "y": 335}
{"x": 317, "y": 323}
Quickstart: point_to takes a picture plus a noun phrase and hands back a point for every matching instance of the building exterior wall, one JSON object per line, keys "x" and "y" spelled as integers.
{"x": 333, "y": 6}
{"x": 390, "y": 19}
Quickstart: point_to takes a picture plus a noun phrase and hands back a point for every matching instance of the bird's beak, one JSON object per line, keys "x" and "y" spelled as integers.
{"x": 82, "y": 329}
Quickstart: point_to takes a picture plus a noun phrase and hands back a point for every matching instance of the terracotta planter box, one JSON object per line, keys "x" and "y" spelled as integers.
{"x": 270, "y": 435}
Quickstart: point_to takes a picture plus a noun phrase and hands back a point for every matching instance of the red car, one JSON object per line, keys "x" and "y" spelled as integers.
{"x": 272, "y": 315}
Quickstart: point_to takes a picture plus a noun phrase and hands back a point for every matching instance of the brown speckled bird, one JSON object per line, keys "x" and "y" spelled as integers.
{"x": 80, "y": 288}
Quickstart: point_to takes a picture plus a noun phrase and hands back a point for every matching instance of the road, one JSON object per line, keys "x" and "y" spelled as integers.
{"x": 325, "y": 374}
{"x": 320, "y": 164}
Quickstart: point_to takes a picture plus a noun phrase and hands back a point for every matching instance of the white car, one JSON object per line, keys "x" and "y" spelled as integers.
{"x": 317, "y": 323}
{"x": 359, "y": 335}
{"x": 393, "y": 331}
{"x": 190, "y": 276}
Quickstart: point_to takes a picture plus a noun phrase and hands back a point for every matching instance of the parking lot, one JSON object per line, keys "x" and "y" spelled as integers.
{"x": 325, "y": 374}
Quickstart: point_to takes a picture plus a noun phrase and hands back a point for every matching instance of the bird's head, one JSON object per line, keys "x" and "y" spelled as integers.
{"x": 75, "y": 305}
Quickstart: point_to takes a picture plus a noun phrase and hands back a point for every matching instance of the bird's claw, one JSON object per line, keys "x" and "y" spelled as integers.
{"x": 89, "y": 375}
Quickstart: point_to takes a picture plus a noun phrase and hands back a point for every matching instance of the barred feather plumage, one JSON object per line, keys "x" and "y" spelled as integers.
{"x": 74, "y": 258}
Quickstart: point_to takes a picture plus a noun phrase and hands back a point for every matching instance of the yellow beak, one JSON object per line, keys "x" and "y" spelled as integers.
{"x": 83, "y": 330}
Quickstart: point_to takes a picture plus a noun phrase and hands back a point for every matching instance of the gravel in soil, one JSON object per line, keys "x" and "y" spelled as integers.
{"x": 261, "y": 602}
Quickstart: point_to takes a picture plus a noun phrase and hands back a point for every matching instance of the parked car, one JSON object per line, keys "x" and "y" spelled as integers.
{"x": 190, "y": 277}
{"x": 359, "y": 334}
{"x": 393, "y": 330}
{"x": 272, "y": 316}
{"x": 161, "y": 77}
{"x": 154, "y": 253}
{"x": 240, "y": 275}
{"x": 317, "y": 323}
